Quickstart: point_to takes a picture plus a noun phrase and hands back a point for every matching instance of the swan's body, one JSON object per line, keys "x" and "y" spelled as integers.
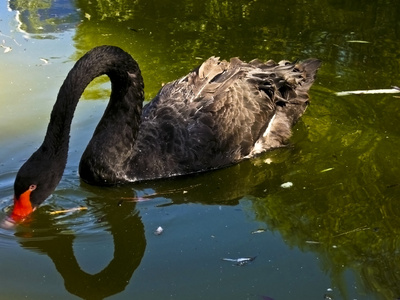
{"x": 216, "y": 116}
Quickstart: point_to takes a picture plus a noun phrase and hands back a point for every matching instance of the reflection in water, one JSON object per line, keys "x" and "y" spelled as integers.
{"x": 358, "y": 237}
{"x": 344, "y": 210}
{"x": 43, "y": 18}
{"x": 54, "y": 238}
{"x": 362, "y": 236}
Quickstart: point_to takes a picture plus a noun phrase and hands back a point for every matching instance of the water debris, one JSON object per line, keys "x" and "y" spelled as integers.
{"x": 159, "y": 230}
{"x": 261, "y": 230}
{"x": 242, "y": 261}
{"x": 313, "y": 242}
{"x": 326, "y": 170}
{"x": 9, "y": 37}
{"x": 153, "y": 195}
{"x": 393, "y": 90}
{"x": 268, "y": 161}
{"x": 6, "y": 49}
{"x": 287, "y": 185}
{"x": 358, "y": 41}
{"x": 45, "y": 61}
{"x": 68, "y": 210}
{"x": 353, "y": 230}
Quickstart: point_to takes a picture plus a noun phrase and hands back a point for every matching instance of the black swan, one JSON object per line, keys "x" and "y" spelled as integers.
{"x": 217, "y": 115}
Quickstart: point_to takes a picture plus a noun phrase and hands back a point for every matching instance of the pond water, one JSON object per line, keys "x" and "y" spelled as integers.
{"x": 334, "y": 234}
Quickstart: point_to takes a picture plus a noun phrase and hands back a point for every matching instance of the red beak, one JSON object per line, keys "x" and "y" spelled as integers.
{"x": 22, "y": 206}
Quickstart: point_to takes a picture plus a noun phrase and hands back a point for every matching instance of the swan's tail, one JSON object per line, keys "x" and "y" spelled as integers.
{"x": 309, "y": 68}
{"x": 292, "y": 83}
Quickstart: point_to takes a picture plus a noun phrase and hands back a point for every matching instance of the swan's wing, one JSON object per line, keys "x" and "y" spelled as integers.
{"x": 217, "y": 114}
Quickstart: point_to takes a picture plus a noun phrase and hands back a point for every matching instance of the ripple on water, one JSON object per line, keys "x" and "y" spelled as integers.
{"x": 87, "y": 224}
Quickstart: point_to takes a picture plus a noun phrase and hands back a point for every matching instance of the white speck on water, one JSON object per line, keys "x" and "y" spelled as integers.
{"x": 159, "y": 230}
{"x": 287, "y": 185}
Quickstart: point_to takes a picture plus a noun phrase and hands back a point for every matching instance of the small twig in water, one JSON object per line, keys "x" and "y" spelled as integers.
{"x": 340, "y": 234}
{"x": 68, "y": 210}
{"x": 353, "y": 230}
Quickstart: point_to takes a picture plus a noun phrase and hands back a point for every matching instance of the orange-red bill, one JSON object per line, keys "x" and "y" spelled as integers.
{"x": 22, "y": 206}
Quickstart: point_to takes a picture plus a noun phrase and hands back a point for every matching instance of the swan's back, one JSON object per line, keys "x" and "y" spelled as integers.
{"x": 218, "y": 115}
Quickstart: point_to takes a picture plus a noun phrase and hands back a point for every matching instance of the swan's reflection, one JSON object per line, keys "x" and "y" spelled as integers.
{"x": 55, "y": 237}
{"x": 129, "y": 241}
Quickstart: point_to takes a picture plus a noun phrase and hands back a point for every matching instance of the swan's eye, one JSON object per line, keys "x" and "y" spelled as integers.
{"x": 32, "y": 187}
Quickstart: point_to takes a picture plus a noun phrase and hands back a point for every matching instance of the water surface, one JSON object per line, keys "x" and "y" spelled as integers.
{"x": 334, "y": 233}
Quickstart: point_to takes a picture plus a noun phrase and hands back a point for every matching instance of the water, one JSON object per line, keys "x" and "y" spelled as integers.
{"x": 334, "y": 233}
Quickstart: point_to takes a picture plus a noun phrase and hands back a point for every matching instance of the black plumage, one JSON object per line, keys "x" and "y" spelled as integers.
{"x": 217, "y": 115}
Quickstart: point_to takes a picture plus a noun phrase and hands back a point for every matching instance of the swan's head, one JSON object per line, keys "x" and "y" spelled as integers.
{"x": 36, "y": 180}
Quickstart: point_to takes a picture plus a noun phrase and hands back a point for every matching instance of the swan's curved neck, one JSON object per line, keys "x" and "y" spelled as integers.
{"x": 122, "y": 114}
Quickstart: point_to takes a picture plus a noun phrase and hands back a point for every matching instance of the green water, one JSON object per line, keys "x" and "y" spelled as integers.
{"x": 334, "y": 233}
